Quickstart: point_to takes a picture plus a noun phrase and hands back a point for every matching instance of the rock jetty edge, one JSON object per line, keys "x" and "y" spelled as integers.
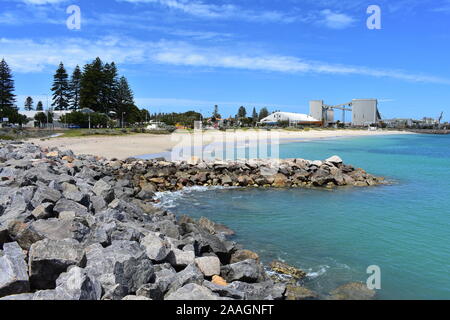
{"x": 80, "y": 227}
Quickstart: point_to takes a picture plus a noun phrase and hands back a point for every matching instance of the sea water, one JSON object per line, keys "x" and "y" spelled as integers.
{"x": 335, "y": 235}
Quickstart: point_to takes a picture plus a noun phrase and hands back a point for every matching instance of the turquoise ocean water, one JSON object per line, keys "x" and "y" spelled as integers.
{"x": 404, "y": 228}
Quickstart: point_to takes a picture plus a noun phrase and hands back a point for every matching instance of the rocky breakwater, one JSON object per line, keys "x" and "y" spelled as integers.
{"x": 156, "y": 176}
{"x": 80, "y": 228}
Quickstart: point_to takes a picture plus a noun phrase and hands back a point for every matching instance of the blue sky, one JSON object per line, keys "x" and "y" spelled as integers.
{"x": 191, "y": 54}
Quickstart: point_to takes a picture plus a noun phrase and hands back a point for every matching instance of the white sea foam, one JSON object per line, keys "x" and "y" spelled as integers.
{"x": 315, "y": 274}
{"x": 168, "y": 199}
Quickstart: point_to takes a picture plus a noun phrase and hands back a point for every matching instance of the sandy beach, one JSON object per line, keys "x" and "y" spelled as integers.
{"x": 122, "y": 147}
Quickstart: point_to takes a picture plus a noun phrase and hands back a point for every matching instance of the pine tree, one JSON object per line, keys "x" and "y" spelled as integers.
{"x": 75, "y": 88}
{"x": 28, "y": 104}
{"x": 91, "y": 86}
{"x": 60, "y": 89}
{"x": 242, "y": 113}
{"x": 39, "y": 106}
{"x": 7, "y": 96}
{"x": 125, "y": 99}
{"x": 110, "y": 87}
{"x": 254, "y": 116}
{"x": 263, "y": 113}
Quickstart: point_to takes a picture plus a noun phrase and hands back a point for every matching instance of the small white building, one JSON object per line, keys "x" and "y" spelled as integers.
{"x": 292, "y": 118}
{"x": 56, "y": 117}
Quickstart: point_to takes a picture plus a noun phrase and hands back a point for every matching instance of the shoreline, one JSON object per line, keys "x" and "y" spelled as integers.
{"x": 96, "y": 190}
{"x": 142, "y": 145}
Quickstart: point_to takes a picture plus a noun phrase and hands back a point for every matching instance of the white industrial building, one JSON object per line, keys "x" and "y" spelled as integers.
{"x": 364, "y": 111}
{"x": 292, "y": 118}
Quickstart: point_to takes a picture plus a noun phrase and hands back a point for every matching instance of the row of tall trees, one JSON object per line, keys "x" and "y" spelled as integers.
{"x": 29, "y": 105}
{"x": 97, "y": 87}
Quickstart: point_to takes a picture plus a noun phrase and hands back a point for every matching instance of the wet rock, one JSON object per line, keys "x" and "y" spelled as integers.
{"x": 280, "y": 181}
{"x": 334, "y": 160}
{"x": 209, "y": 266}
{"x": 49, "y": 258}
{"x": 246, "y": 271}
{"x": 295, "y": 292}
{"x": 13, "y": 271}
{"x": 353, "y": 291}
{"x": 191, "y": 292}
{"x": 241, "y": 255}
{"x": 286, "y": 269}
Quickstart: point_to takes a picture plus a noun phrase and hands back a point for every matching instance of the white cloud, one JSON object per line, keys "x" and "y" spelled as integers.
{"x": 41, "y": 2}
{"x": 335, "y": 20}
{"x": 201, "y": 9}
{"x": 25, "y": 55}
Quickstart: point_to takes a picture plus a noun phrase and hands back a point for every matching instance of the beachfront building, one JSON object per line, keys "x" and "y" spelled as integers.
{"x": 56, "y": 118}
{"x": 364, "y": 112}
{"x": 291, "y": 118}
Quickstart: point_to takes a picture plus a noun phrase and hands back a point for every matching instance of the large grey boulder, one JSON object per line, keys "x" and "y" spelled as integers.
{"x": 267, "y": 290}
{"x": 225, "y": 291}
{"x": 104, "y": 189}
{"x": 72, "y": 192}
{"x": 13, "y": 271}
{"x": 210, "y": 266}
{"x": 70, "y": 205}
{"x": 191, "y": 292}
{"x": 168, "y": 228}
{"x": 191, "y": 274}
{"x": 76, "y": 284}
{"x": 247, "y": 271}
{"x": 121, "y": 268}
{"x": 18, "y": 297}
{"x": 43, "y": 211}
{"x": 45, "y": 194}
{"x": 180, "y": 258}
{"x": 155, "y": 246}
{"x": 49, "y": 258}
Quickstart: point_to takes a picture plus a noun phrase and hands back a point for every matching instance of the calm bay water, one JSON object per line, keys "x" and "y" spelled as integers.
{"x": 404, "y": 228}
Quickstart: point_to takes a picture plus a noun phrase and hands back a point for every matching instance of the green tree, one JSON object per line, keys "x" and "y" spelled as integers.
{"x": 75, "y": 88}
{"x": 91, "y": 86}
{"x": 43, "y": 118}
{"x": 29, "y": 104}
{"x": 125, "y": 100}
{"x": 254, "y": 116}
{"x": 7, "y": 96}
{"x": 61, "y": 95}
{"x": 263, "y": 113}
{"x": 39, "y": 106}
{"x": 242, "y": 113}
{"x": 109, "y": 87}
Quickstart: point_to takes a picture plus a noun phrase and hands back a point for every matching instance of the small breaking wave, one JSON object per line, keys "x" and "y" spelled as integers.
{"x": 168, "y": 199}
{"x": 315, "y": 274}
